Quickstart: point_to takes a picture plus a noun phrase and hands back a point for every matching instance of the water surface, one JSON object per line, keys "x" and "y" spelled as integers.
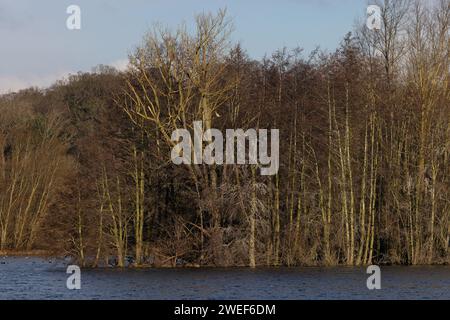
{"x": 35, "y": 278}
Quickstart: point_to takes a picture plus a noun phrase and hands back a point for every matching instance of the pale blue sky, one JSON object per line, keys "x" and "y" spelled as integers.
{"x": 36, "y": 47}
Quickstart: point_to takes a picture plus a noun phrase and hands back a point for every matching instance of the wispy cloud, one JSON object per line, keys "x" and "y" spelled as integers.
{"x": 11, "y": 83}
{"x": 120, "y": 65}
{"x": 14, "y": 83}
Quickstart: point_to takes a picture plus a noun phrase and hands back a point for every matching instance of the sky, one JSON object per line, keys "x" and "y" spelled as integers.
{"x": 36, "y": 47}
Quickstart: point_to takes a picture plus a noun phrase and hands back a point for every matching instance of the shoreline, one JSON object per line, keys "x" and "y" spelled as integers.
{"x": 28, "y": 253}
{"x": 43, "y": 254}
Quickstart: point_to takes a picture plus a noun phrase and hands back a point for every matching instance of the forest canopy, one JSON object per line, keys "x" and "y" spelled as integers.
{"x": 85, "y": 168}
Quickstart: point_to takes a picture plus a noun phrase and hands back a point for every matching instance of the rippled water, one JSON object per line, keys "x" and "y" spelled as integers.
{"x": 34, "y": 278}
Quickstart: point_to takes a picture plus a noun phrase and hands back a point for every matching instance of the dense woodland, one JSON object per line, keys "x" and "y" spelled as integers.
{"x": 85, "y": 168}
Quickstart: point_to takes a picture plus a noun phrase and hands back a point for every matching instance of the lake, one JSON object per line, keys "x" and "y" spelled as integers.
{"x": 36, "y": 278}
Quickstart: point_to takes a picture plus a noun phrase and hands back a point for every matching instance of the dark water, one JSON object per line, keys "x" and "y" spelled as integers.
{"x": 33, "y": 278}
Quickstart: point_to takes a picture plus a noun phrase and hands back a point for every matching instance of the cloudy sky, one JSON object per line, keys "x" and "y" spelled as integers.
{"x": 36, "y": 48}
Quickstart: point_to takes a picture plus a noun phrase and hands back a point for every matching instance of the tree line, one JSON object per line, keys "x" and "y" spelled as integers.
{"x": 85, "y": 167}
